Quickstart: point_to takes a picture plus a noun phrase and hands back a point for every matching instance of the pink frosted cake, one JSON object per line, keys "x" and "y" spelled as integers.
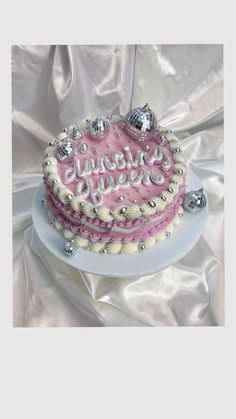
{"x": 114, "y": 185}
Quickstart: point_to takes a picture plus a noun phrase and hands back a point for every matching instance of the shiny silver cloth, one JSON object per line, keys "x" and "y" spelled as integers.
{"x": 55, "y": 86}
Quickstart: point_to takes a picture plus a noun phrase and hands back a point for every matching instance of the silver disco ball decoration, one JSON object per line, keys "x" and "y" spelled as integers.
{"x": 77, "y": 133}
{"x": 66, "y": 149}
{"x": 141, "y": 123}
{"x": 194, "y": 201}
{"x": 70, "y": 248}
{"x": 99, "y": 128}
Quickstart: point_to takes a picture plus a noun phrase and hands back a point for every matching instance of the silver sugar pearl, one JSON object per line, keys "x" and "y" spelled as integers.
{"x": 47, "y": 163}
{"x": 51, "y": 143}
{"x": 151, "y": 204}
{"x": 82, "y": 204}
{"x": 177, "y": 150}
{"x": 167, "y": 234}
{"x": 83, "y": 149}
{"x": 180, "y": 172}
{"x": 104, "y": 251}
{"x": 146, "y": 147}
{"x": 142, "y": 246}
{"x": 69, "y": 197}
{"x": 120, "y": 198}
{"x": 180, "y": 214}
{"x": 123, "y": 210}
{"x": 88, "y": 120}
{"x": 111, "y": 212}
{"x": 168, "y": 131}
{"x": 142, "y": 210}
{"x": 169, "y": 189}
{"x": 95, "y": 210}
{"x": 52, "y": 222}
{"x": 163, "y": 198}
{"x": 54, "y": 182}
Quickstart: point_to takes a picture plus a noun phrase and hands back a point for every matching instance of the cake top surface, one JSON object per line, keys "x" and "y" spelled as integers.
{"x": 127, "y": 192}
{"x": 116, "y": 166}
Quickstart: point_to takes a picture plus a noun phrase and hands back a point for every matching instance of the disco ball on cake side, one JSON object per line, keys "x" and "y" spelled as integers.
{"x": 194, "y": 201}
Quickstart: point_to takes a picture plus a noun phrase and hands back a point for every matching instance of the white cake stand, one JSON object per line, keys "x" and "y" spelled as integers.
{"x": 161, "y": 255}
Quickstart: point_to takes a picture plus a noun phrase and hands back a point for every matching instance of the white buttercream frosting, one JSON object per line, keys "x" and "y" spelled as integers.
{"x": 81, "y": 241}
{"x": 104, "y": 214}
{"x": 113, "y": 248}
{"x": 68, "y": 234}
{"x": 130, "y": 247}
{"x": 50, "y": 150}
{"x": 97, "y": 247}
{"x": 62, "y": 195}
{"x": 133, "y": 212}
{"x": 150, "y": 242}
{"x": 88, "y": 209}
{"x": 59, "y": 226}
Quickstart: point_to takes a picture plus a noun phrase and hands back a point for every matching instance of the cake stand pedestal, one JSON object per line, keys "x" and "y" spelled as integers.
{"x": 161, "y": 255}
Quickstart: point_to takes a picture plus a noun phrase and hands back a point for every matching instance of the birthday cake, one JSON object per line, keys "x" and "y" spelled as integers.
{"x": 114, "y": 185}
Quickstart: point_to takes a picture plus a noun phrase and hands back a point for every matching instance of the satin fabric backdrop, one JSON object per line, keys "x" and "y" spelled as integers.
{"x": 54, "y": 86}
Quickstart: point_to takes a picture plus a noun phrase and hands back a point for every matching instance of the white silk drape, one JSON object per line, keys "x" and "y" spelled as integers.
{"x": 54, "y": 86}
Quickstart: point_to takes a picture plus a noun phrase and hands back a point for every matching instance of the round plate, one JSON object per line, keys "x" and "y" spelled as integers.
{"x": 161, "y": 255}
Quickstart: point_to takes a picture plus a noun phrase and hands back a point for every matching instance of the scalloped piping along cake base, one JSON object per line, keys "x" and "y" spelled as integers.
{"x": 146, "y": 262}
